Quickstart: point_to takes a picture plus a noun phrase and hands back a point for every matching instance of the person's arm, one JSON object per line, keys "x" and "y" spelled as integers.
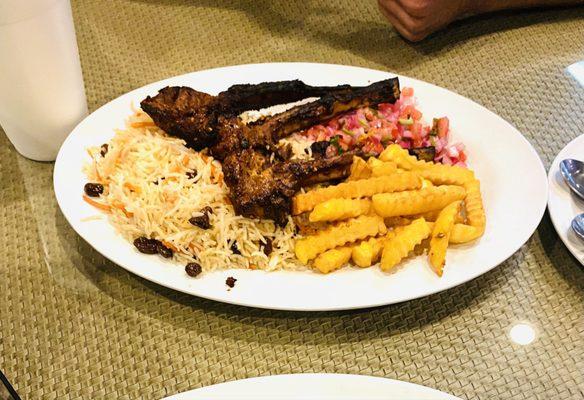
{"x": 416, "y": 19}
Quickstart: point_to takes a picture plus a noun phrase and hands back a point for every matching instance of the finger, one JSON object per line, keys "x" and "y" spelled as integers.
{"x": 406, "y": 31}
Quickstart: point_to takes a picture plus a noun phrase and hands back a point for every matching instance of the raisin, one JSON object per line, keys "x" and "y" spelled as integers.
{"x": 93, "y": 189}
{"x": 244, "y": 144}
{"x": 192, "y": 174}
{"x": 202, "y": 221}
{"x": 268, "y": 247}
{"x": 163, "y": 250}
{"x": 319, "y": 148}
{"x": 146, "y": 246}
{"x": 193, "y": 269}
{"x": 104, "y": 149}
{"x": 234, "y": 248}
{"x": 230, "y": 281}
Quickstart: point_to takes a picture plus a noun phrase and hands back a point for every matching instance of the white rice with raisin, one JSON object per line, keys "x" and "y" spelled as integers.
{"x": 153, "y": 185}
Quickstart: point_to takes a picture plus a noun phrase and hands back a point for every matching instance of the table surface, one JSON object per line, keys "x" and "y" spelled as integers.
{"x": 75, "y": 325}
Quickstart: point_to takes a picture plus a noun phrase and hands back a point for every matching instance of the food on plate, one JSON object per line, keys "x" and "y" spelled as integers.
{"x": 355, "y": 190}
{"x": 260, "y": 186}
{"x": 341, "y": 174}
{"x": 441, "y": 236}
{"x": 333, "y": 259}
{"x": 360, "y": 169}
{"x": 337, "y": 235}
{"x": 338, "y": 209}
{"x": 413, "y": 202}
{"x": 367, "y": 252}
{"x": 401, "y": 241}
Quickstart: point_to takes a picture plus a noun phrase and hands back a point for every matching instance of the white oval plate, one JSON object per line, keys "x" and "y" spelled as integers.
{"x": 315, "y": 386}
{"x": 562, "y": 203}
{"x": 514, "y": 187}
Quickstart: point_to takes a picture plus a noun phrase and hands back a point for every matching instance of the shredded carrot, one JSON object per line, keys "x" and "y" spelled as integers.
{"x": 253, "y": 266}
{"x": 121, "y": 207}
{"x": 170, "y": 246}
{"x": 185, "y": 159}
{"x": 142, "y": 124}
{"x": 96, "y": 204}
{"x": 132, "y": 187}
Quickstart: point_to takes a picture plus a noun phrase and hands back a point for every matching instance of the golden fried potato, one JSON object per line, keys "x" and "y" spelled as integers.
{"x": 367, "y": 252}
{"x": 374, "y": 162}
{"x": 338, "y": 235}
{"x": 395, "y": 153}
{"x": 426, "y": 183}
{"x": 431, "y": 216}
{"x": 384, "y": 168}
{"x": 475, "y": 213}
{"x": 413, "y": 202}
{"x": 356, "y": 189}
{"x": 399, "y": 244}
{"x": 441, "y": 174}
{"x": 360, "y": 169}
{"x": 462, "y": 233}
{"x": 333, "y": 259}
{"x": 441, "y": 235}
{"x": 392, "y": 222}
{"x": 339, "y": 209}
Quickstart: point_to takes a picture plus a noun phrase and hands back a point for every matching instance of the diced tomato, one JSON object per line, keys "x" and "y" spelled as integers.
{"x": 462, "y": 156}
{"x": 407, "y": 92}
{"x": 443, "y": 125}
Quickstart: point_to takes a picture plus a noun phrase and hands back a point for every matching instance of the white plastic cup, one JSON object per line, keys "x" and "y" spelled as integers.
{"x": 42, "y": 96}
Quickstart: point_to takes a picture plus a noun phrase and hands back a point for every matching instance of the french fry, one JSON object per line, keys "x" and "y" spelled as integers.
{"x": 426, "y": 183}
{"x": 441, "y": 174}
{"x": 475, "y": 213}
{"x": 338, "y": 235}
{"x": 395, "y": 153}
{"x": 462, "y": 233}
{"x": 441, "y": 235}
{"x": 333, "y": 259}
{"x": 399, "y": 244}
{"x": 374, "y": 162}
{"x": 431, "y": 216}
{"x": 367, "y": 252}
{"x": 355, "y": 190}
{"x": 338, "y": 209}
{"x": 360, "y": 169}
{"x": 392, "y": 222}
{"x": 413, "y": 202}
{"x": 384, "y": 168}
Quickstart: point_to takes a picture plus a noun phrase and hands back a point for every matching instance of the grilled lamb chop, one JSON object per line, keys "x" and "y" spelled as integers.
{"x": 264, "y": 189}
{"x": 192, "y": 115}
{"x": 234, "y": 135}
{"x": 261, "y": 188}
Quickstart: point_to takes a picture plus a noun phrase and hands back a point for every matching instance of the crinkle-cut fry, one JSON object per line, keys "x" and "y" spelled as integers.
{"x": 462, "y": 233}
{"x": 374, "y": 162}
{"x": 398, "y": 245}
{"x": 338, "y": 235}
{"x": 475, "y": 213}
{"x": 392, "y": 222}
{"x": 333, "y": 259}
{"x": 431, "y": 216}
{"x": 356, "y": 189}
{"x": 441, "y": 174}
{"x": 385, "y": 168}
{"x": 360, "y": 169}
{"x": 397, "y": 154}
{"x": 441, "y": 235}
{"x": 413, "y": 202}
{"x": 339, "y": 209}
{"x": 366, "y": 253}
{"x": 426, "y": 183}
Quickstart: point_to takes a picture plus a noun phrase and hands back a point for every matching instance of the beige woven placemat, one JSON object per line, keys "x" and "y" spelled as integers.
{"x": 72, "y": 325}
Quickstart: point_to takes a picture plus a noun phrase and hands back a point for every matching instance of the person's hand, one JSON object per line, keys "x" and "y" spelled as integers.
{"x": 416, "y": 19}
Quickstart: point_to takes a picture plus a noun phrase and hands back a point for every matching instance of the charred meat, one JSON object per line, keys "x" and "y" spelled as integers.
{"x": 261, "y": 177}
{"x": 264, "y": 189}
{"x": 193, "y": 116}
